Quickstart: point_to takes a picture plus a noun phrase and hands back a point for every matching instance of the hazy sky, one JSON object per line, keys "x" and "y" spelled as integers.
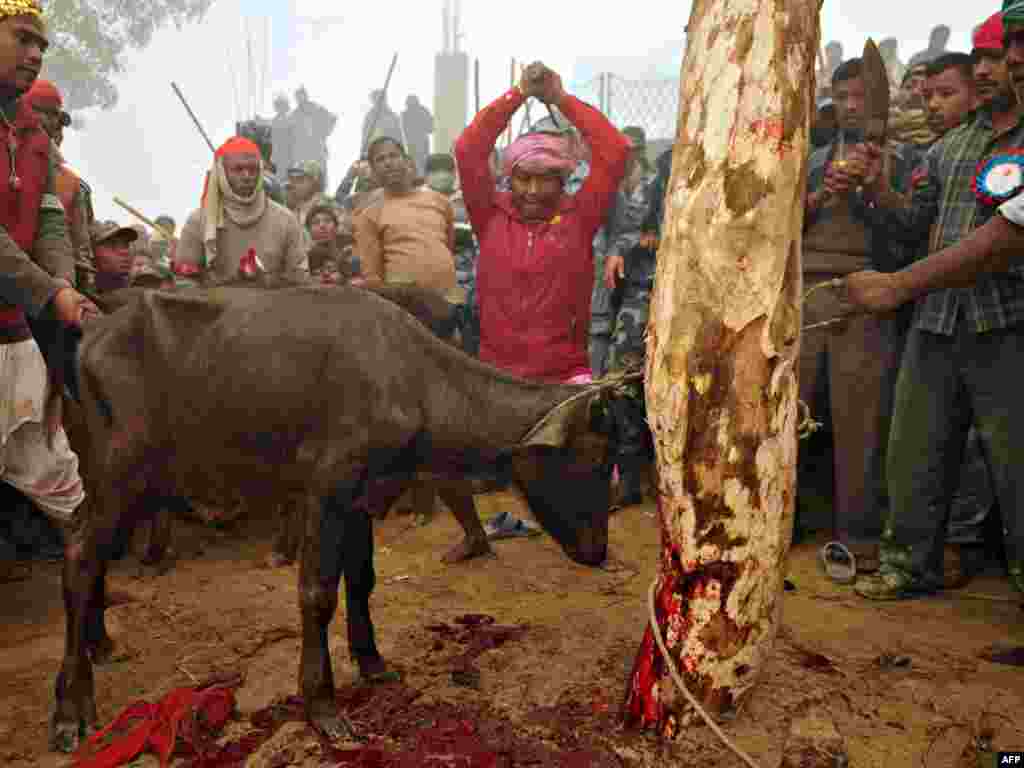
{"x": 147, "y": 152}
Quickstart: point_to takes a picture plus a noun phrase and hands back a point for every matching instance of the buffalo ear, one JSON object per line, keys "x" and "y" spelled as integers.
{"x": 562, "y": 422}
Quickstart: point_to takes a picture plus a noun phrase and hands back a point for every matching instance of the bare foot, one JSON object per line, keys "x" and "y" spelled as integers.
{"x": 467, "y": 549}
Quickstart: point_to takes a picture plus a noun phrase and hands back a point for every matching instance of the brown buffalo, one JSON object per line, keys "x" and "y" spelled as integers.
{"x": 426, "y": 306}
{"x": 304, "y": 392}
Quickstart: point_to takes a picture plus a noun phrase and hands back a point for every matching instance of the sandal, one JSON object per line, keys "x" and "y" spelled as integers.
{"x": 504, "y": 526}
{"x": 838, "y": 563}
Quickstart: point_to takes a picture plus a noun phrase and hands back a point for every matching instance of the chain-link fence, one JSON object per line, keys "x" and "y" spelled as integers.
{"x": 651, "y": 104}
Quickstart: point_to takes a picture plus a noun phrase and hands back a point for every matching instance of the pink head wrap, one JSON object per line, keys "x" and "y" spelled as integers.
{"x": 539, "y": 153}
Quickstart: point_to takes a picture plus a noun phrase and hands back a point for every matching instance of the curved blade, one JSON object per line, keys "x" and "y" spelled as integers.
{"x": 876, "y": 94}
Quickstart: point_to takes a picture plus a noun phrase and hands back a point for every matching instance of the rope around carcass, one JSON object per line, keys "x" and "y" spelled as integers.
{"x": 682, "y": 686}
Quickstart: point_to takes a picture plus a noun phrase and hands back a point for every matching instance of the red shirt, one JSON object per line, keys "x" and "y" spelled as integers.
{"x": 534, "y": 280}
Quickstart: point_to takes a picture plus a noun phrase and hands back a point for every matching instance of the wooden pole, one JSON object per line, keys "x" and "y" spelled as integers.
{"x": 379, "y": 106}
{"x": 141, "y": 217}
{"x": 195, "y": 119}
{"x": 722, "y": 347}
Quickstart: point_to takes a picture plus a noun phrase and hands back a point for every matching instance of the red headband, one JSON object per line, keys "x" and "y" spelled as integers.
{"x": 237, "y": 145}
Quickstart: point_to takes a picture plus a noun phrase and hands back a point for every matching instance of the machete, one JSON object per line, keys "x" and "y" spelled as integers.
{"x": 876, "y": 94}
{"x": 876, "y": 100}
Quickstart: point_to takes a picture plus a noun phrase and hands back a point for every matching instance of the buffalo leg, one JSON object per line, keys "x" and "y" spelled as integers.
{"x": 74, "y": 692}
{"x": 360, "y": 579}
{"x": 320, "y": 571}
{"x": 99, "y": 645}
{"x": 86, "y": 638}
{"x": 159, "y": 530}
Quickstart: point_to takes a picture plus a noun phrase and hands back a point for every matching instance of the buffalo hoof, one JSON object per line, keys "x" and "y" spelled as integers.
{"x": 334, "y": 727}
{"x": 66, "y": 736}
{"x": 106, "y": 651}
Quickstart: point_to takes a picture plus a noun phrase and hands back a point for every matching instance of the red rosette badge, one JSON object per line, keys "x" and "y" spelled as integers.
{"x": 999, "y": 178}
{"x": 250, "y": 264}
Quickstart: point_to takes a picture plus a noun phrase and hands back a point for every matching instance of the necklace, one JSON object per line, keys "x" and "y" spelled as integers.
{"x": 12, "y": 154}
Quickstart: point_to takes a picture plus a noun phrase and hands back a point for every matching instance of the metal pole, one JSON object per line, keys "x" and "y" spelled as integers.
{"x": 608, "y": 97}
{"x": 234, "y": 87}
{"x": 266, "y": 59}
{"x": 511, "y": 84}
{"x": 250, "y": 76}
{"x": 379, "y": 106}
{"x": 192, "y": 114}
{"x": 476, "y": 84}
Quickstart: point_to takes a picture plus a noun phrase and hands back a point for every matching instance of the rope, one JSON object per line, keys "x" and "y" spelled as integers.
{"x": 807, "y": 426}
{"x": 682, "y": 686}
{"x": 836, "y": 282}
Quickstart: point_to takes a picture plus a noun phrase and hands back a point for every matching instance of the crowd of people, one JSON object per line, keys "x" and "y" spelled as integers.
{"x": 547, "y": 248}
{"x": 506, "y": 236}
{"x": 916, "y": 393}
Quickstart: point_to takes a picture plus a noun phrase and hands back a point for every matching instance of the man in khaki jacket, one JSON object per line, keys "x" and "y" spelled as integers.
{"x": 238, "y": 231}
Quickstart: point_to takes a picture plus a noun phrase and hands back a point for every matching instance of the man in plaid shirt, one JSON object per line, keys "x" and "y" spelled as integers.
{"x": 964, "y": 353}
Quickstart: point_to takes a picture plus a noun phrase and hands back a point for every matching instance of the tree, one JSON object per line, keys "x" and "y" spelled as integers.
{"x": 89, "y": 37}
{"x": 722, "y": 346}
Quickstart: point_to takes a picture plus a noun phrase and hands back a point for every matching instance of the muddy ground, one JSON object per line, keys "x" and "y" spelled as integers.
{"x": 548, "y": 693}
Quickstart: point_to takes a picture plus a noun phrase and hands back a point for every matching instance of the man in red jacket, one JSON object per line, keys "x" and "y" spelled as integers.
{"x": 535, "y": 271}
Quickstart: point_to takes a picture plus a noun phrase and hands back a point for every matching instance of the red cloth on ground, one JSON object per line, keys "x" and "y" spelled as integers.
{"x": 534, "y": 281}
{"x": 189, "y": 714}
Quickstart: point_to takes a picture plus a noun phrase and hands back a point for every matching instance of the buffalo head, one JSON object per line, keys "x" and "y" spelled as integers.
{"x": 564, "y": 469}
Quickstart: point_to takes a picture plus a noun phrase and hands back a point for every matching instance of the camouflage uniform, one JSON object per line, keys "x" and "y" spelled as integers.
{"x": 85, "y": 266}
{"x": 626, "y": 345}
{"x": 640, "y": 212}
{"x": 465, "y": 277}
{"x": 602, "y": 312}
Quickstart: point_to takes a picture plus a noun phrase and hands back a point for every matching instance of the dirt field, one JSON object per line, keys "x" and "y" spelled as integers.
{"x": 548, "y": 693}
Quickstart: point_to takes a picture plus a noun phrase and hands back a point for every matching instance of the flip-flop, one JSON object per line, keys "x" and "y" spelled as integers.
{"x": 838, "y": 563}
